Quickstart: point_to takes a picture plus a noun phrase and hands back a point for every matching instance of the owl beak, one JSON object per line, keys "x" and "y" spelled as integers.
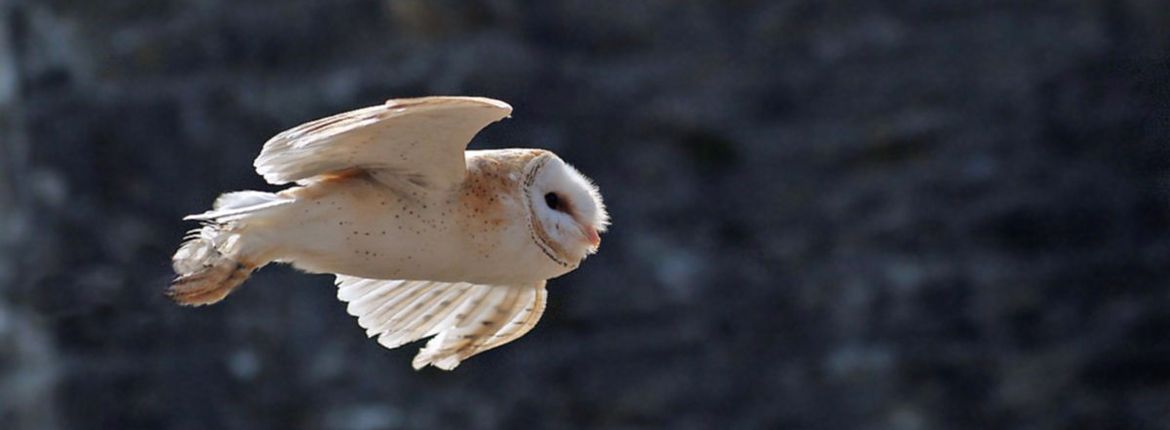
{"x": 591, "y": 236}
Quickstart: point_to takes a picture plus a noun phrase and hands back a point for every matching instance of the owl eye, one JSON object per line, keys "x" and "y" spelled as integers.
{"x": 553, "y": 201}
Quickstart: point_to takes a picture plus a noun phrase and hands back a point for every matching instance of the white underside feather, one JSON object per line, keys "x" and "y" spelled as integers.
{"x": 465, "y": 319}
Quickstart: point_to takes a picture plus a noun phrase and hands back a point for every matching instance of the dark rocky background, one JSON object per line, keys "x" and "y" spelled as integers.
{"x": 916, "y": 214}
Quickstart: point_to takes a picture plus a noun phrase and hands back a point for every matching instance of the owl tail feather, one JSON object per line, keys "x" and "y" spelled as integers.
{"x": 218, "y": 257}
{"x": 205, "y": 274}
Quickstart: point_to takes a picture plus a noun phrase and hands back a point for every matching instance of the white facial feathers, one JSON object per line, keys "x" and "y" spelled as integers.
{"x": 569, "y": 207}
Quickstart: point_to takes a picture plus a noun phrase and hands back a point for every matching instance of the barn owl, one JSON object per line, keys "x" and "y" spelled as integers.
{"x": 425, "y": 237}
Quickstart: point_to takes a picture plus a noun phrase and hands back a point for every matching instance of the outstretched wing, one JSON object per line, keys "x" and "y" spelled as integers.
{"x": 465, "y": 319}
{"x": 417, "y": 140}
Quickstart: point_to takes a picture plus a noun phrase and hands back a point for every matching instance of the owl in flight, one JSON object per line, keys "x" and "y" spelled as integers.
{"x": 425, "y": 237}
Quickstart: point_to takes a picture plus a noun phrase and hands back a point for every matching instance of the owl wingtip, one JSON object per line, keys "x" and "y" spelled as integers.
{"x": 434, "y": 100}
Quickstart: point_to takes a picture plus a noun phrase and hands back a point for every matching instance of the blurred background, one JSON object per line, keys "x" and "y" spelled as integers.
{"x": 853, "y": 214}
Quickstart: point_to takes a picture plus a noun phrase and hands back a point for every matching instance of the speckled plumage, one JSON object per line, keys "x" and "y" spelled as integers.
{"x": 427, "y": 239}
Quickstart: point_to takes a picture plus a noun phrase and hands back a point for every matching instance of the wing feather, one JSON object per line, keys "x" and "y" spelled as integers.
{"x": 424, "y": 322}
{"x": 396, "y": 303}
{"x": 465, "y": 319}
{"x": 522, "y": 320}
{"x": 449, "y": 347}
{"x": 419, "y": 141}
{"x": 410, "y": 317}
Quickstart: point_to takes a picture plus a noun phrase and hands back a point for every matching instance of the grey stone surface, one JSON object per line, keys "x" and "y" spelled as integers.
{"x": 827, "y": 214}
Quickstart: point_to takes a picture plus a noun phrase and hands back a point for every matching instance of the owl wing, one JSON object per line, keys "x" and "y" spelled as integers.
{"x": 417, "y": 140}
{"x": 465, "y": 319}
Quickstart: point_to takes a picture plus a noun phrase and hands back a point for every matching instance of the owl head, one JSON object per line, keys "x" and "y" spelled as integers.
{"x": 565, "y": 208}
